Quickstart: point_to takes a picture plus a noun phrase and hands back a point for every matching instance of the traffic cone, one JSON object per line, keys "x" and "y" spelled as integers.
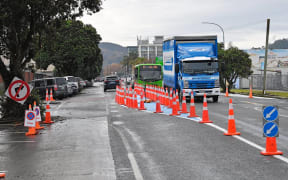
{"x": 167, "y": 98}
{"x": 135, "y": 102}
{"x": 231, "y": 122}
{"x": 51, "y": 95}
{"x": 31, "y": 130}
{"x": 177, "y": 101}
{"x": 142, "y": 105}
{"x": 184, "y": 104}
{"x": 171, "y": 99}
{"x": 48, "y": 115}
{"x": 2, "y": 174}
{"x": 192, "y": 107}
{"x": 38, "y": 126}
{"x": 47, "y": 96}
{"x": 250, "y": 93}
{"x": 174, "y": 109}
{"x": 205, "y": 114}
{"x": 271, "y": 147}
{"x": 158, "y": 106}
{"x": 227, "y": 94}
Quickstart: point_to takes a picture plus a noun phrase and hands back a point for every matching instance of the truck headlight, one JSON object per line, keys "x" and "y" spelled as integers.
{"x": 186, "y": 84}
{"x": 217, "y": 84}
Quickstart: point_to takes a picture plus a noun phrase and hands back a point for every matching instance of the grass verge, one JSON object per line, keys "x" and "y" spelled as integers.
{"x": 275, "y": 94}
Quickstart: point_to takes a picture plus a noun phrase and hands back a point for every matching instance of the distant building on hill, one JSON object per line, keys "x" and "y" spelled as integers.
{"x": 150, "y": 50}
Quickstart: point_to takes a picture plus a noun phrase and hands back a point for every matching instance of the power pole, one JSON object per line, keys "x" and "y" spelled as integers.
{"x": 266, "y": 55}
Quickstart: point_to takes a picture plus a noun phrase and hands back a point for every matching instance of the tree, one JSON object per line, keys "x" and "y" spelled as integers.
{"x": 233, "y": 63}
{"x": 20, "y": 23}
{"x": 72, "y": 49}
{"x": 128, "y": 61}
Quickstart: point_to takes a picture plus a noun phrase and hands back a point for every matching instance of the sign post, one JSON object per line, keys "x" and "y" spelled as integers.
{"x": 270, "y": 129}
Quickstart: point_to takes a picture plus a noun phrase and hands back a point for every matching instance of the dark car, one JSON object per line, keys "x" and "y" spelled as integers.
{"x": 58, "y": 85}
{"x": 110, "y": 82}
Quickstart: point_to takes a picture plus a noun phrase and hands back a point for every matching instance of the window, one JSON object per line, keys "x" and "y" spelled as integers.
{"x": 60, "y": 81}
{"x": 39, "y": 83}
{"x": 49, "y": 82}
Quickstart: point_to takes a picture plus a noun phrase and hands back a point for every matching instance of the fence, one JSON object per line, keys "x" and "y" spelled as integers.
{"x": 273, "y": 82}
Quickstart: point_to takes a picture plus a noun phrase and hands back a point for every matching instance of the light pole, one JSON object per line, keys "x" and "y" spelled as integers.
{"x": 221, "y": 30}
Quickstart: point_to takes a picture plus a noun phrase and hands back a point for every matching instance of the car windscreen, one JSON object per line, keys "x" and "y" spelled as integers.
{"x": 112, "y": 78}
{"x": 72, "y": 79}
{"x": 39, "y": 83}
{"x": 60, "y": 81}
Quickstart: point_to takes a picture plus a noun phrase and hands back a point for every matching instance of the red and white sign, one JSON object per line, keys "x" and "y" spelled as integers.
{"x": 38, "y": 115}
{"x": 30, "y": 118}
{"x": 18, "y": 90}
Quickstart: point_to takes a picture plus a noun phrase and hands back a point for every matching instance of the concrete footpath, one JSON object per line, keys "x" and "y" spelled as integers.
{"x": 75, "y": 147}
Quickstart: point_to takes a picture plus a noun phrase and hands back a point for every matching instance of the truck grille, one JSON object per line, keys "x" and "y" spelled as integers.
{"x": 202, "y": 85}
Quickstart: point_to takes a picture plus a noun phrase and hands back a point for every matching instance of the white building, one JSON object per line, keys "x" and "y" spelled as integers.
{"x": 150, "y": 50}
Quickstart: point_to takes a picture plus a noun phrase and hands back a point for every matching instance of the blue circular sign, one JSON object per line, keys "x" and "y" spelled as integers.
{"x": 270, "y": 113}
{"x": 30, "y": 115}
{"x": 270, "y": 129}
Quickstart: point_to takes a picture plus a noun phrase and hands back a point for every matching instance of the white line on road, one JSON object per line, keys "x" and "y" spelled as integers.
{"x": 9, "y": 142}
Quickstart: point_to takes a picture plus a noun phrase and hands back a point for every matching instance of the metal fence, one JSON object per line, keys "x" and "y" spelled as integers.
{"x": 273, "y": 82}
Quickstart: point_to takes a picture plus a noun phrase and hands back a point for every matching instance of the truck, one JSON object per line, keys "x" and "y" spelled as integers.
{"x": 190, "y": 63}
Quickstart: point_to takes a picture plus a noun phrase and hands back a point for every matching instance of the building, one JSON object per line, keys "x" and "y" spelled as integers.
{"x": 150, "y": 50}
{"x": 132, "y": 50}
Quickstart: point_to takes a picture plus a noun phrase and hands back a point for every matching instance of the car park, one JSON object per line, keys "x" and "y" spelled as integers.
{"x": 110, "y": 82}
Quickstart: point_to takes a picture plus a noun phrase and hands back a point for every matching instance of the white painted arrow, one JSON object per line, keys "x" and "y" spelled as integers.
{"x": 269, "y": 114}
{"x": 269, "y": 130}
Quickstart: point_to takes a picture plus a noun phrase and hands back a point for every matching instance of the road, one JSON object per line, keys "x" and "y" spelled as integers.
{"x": 95, "y": 138}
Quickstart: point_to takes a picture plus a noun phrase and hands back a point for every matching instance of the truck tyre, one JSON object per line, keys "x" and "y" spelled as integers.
{"x": 215, "y": 99}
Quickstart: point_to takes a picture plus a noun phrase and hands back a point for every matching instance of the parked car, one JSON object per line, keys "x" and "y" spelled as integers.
{"x": 110, "y": 82}
{"x": 79, "y": 84}
{"x": 58, "y": 85}
{"x": 73, "y": 82}
{"x": 89, "y": 83}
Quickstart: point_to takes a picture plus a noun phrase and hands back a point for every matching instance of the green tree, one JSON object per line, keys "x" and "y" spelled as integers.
{"x": 72, "y": 49}
{"x": 21, "y": 22}
{"x": 233, "y": 63}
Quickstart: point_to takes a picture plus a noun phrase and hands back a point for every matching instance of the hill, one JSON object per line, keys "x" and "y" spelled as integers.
{"x": 279, "y": 44}
{"x": 112, "y": 53}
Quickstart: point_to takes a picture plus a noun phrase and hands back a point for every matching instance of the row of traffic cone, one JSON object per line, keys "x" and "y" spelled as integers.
{"x": 49, "y": 98}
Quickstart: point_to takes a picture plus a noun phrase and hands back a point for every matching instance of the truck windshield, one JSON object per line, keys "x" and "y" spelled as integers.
{"x": 150, "y": 73}
{"x": 191, "y": 67}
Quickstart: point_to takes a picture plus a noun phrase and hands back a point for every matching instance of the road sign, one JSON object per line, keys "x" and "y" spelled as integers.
{"x": 18, "y": 90}
{"x": 38, "y": 115}
{"x": 270, "y": 113}
{"x": 30, "y": 118}
{"x": 270, "y": 129}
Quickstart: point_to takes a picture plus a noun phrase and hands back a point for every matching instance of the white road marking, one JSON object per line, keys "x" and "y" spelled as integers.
{"x": 114, "y": 111}
{"x": 9, "y": 142}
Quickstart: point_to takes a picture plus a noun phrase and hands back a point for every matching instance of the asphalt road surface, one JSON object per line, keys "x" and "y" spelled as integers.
{"x": 95, "y": 138}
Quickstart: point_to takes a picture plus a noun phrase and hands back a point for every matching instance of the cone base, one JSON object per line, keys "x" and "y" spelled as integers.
{"x": 39, "y": 128}
{"x": 31, "y": 133}
{"x": 265, "y": 153}
{"x": 142, "y": 109}
{"x": 231, "y": 134}
{"x": 48, "y": 122}
{"x": 205, "y": 122}
{"x": 174, "y": 114}
{"x": 158, "y": 112}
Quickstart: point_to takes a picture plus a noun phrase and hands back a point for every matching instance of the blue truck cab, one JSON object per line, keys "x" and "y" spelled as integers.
{"x": 190, "y": 63}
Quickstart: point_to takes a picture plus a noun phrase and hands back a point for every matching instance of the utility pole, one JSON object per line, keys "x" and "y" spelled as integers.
{"x": 266, "y": 55}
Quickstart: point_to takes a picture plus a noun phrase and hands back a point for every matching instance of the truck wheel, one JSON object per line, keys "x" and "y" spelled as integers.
{"x": 215, "y": 99}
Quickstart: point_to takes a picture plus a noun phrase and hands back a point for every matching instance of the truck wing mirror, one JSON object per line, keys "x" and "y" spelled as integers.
{"x": 176, "y": 68}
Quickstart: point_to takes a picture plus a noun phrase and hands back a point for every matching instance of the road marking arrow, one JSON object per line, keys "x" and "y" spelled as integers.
{"x": 269, "y": 114}
{"x": 269, "y": 130}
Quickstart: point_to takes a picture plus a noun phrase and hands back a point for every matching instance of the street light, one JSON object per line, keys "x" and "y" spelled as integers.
{"x": 221, "y": 30}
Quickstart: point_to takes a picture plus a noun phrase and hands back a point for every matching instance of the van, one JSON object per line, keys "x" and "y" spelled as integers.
{"x": 73, "y": 82}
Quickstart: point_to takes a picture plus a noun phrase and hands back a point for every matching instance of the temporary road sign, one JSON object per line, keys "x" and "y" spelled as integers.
{"x": 270, "y": 129}
{"x": 38, "y": 115}
{"x": 18, "y": 90}
{"x": 30, "y": 118}
{"x": 270, "y": 113}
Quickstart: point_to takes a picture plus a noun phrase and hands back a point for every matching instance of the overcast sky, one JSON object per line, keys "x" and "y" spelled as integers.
{"x": 243, "y": 21}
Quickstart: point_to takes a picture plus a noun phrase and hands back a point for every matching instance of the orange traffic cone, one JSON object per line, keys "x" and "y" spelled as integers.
{"x": 158, "y": 106}
{"x": 51, "y": 95}
{"x": 271, "y": 147}
{"x": 250, "y": 93}
{"x": 227, "y": 94}
{"x": 47, "y": 96}
{"x": 231, "y": 121}
{"x": 2, "y": 174}
{"x": 31, "y": 130}
{"x": 142, "y": 106}
{"x": 135, "y": 102}
{"x": 205, "y": 114}
{"x": 177, "y": 101}
{"x": 171, "y": 99}
{"x": 192, "y": 107}
{"x": 184, "y": 104}
{"x": 174, "y": 109}
{"x": 38, "y": 127}
{"x": 48, "y": 115}
{"x": 167, "y": 98}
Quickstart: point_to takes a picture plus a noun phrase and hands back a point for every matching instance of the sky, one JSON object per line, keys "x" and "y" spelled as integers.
{"x": 243, "y": 21}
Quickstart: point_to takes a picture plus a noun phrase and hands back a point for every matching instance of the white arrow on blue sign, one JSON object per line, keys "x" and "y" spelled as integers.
{"x": 270, "y": 113}
{"x": 270, "y": 129}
